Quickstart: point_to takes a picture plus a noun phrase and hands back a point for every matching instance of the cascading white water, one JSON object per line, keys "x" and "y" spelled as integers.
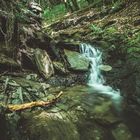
{"x": 96, "y": 79}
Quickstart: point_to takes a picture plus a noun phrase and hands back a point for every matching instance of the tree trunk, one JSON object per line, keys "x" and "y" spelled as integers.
{"x": 75, "y": 5}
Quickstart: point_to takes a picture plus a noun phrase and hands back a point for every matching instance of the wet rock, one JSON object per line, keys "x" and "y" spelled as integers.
{"x": 60, "y": 67}
{"x": 103, "y": 113}
{"x": 28, "y": 83}
{"x": 69, "y": 119}
{"x": 44, "y": 63}
{"x": 23, "y": 90}
{"x": 7, "y": 62}
{"x": 11, "y": 122}
{"x": 121, "y": 132}
{"x": 43, "y": 125}
{"x": 130, "y": 81}
{"x": 91, "y": 131}
{"x": 105, "y": 67}
{"x": 76, "y": 61}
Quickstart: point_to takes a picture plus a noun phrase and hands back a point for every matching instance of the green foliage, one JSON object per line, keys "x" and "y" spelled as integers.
{"x": 133, "y": 44}
{"x": 135, "y": 40}
{"x": 110, "y": 30}
{"x": 82, "y": 3}
{"x": 58, "y": 11}
{"x": 107, "y": 32}
{"x": 98, "y": 3}
{"x": 133, "y": 49}
{"x": 95, "y": 29}
{"x": 55, "y": 13}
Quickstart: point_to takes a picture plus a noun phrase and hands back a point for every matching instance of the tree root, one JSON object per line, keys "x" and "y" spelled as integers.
{"x": 30, "y": 105}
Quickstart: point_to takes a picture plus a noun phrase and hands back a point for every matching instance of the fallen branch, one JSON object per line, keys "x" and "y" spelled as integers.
{"x": 30, "y": 105}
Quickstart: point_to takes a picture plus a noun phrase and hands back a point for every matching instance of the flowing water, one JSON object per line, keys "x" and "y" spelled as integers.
{"x": 96, "y": 79}
{"x": 96, "y": 82}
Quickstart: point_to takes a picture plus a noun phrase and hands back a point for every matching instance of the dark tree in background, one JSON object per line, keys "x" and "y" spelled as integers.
{"x": 71, "y": 5}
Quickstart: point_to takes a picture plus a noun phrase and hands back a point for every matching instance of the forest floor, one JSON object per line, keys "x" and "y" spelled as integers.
{"x": 92, "y": 24}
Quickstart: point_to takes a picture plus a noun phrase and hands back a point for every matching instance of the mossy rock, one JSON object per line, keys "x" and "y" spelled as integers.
{"x": 43, "y": 63}
{"x": 76, "y": 61}
{"x": 7, "y": 62}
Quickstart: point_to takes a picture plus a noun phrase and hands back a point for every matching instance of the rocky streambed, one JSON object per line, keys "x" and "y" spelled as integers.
{"x": 81, "y": 113}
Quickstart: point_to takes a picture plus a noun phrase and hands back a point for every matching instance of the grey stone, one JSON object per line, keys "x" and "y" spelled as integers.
{"x": 76, "y": 61}
{"x": 44, "y": 63}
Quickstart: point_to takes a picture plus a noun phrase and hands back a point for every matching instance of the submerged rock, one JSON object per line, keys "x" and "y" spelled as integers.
{"x": 104, "y": 115}
{"x": 44, "y": 63}
{"x": 121, "y": 132}
{"x": 76, "y": 61}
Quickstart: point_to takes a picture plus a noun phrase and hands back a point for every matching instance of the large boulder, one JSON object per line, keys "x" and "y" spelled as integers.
{"x": 48, "y": 126}
{"x": 76, "y": 61}
{"x": 44, "y": 63}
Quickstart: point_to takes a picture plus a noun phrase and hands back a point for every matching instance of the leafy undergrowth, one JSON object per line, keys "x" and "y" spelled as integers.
{"x": 118, "y": 26}
{"x": 52, "y": 15}
{"x": 58, "y": 12}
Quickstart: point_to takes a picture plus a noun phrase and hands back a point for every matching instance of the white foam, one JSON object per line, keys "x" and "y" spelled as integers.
{"x": 95, "y": 78}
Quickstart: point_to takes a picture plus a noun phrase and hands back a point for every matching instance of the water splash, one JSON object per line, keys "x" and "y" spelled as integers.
{"x": 96, "y": 79}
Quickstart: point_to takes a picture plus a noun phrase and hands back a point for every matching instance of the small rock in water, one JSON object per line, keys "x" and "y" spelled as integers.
{"x": 105, "y": 67}
{"x": 122, "y": 132}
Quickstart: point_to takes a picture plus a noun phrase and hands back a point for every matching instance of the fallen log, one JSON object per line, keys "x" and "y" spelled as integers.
{"x": 20, "y": 107}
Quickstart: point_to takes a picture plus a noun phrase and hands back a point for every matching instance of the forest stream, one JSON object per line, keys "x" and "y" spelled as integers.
{"x": 70, "y": 70}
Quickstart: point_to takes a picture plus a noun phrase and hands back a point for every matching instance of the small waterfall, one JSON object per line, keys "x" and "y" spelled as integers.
{"x": 96, "y": 79}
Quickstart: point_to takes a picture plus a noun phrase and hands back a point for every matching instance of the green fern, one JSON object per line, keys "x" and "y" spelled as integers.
{"x": 96, "y": 29}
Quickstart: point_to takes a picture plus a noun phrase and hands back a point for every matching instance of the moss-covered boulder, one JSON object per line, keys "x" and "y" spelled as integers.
{"x": 43, "y": 63}
{"x": 76, "y": 61}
